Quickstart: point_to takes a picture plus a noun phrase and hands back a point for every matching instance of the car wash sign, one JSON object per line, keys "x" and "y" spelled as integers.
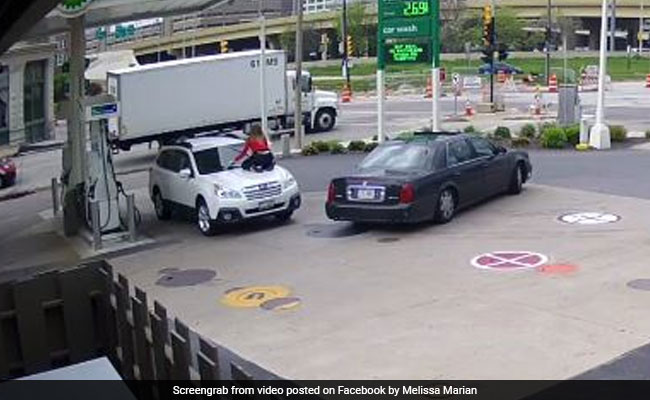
{"x": 408, "y": 32}
{"x": 73, "y": 8}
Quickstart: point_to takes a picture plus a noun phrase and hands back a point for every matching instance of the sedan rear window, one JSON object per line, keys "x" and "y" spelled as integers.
{"x": 403, "y": 156}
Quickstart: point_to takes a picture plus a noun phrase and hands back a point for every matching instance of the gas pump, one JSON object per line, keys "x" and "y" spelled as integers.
{"x": 101, "y": 186}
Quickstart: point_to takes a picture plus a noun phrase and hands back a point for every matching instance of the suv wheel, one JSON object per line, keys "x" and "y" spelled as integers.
{"x": 162, "y": 207}
{"x": 206, "y": 225}
{"x": 284, "y": 216}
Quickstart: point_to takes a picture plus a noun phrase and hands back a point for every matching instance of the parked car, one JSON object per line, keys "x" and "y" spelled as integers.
{"x": 7, "y": 172}
{"x": 428, "y": 177}
{"x": 500, "y": 67}
{"x": 197, "y": 174}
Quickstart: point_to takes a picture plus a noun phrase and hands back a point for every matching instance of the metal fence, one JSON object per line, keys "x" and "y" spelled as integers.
{"x": 61, "y": 318}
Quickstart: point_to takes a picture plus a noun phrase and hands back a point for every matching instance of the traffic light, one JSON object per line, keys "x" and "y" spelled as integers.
{"x": 488, "y": 26}
{"x": 224, "y": 46}
{"x": 503, "y": 53}
{"x": 349, "y": 46}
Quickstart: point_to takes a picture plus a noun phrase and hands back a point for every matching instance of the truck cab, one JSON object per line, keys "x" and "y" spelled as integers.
{"x": 319, "y": 107}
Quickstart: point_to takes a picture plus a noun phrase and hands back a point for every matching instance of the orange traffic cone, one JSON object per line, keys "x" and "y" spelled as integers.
{"x": 429, "y": 92}
{"x": 469, "y": 111}
{"x": 346, "y": 95}
{"x": 552, "y": 84}
{"x": 647, "y": 81}
{"x": 501, "y": 77}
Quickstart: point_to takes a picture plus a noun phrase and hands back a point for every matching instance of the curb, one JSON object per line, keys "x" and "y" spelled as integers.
{"x": 39, "y": 148}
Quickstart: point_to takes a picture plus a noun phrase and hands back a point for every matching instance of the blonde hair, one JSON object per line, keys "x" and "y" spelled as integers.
{"x": 256, "y": 132}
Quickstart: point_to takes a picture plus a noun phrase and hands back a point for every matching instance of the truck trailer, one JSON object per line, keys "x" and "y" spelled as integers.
{"x": 174, "y": 99}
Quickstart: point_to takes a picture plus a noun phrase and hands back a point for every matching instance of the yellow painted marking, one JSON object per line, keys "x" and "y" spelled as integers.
{"x": 253, "y": 296}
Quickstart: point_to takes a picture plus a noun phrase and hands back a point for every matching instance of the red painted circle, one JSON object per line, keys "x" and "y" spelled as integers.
{"x": 558, "y": 269}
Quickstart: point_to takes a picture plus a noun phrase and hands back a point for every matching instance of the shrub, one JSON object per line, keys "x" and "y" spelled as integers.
{"x": 502, "y": 132}
{"x": 647, "y": 134}
{"x": 554, "y": 138}
{"x": 470, "y": 129}
{"x": 337, "y": 148}
{"x": 403, "y": 135}
{"x": 618, "y": 133}
{"x": 310, "y": 150}
{"x": 528, "y": 131}
{"x": 546, "y": 126}
{"x": 370, "y": 147}
{"x": 321, "y": 146}
{"x": 356, "y": 145}
{"x": 572, "y": 133}
{"x": 520, "y": 142}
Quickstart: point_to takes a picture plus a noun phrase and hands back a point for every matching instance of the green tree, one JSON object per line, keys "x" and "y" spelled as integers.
{"x": 510, "y": 31}
{"x": 356, "y": 27}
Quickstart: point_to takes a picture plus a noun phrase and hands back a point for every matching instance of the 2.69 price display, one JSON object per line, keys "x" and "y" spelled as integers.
{"x": 415, "y": 8}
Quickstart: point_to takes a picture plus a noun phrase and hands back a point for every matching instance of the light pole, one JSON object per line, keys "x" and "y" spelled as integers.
{"x": 599, "y": 134}
{"x": 344, "y": 29}
{"x": 264, "y": 117}
{"x": 298, "y": 89}
{"x": 548, "y": 42}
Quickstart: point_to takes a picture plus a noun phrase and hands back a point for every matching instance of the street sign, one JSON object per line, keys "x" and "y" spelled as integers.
{"x": 472, "y": 82}
{"x": 509, "y": 260}
{"x": 455, "y": 79}
{"x": 102, "y": 111}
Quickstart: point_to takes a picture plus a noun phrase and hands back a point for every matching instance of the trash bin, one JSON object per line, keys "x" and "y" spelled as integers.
{"x": 569, "y": 109}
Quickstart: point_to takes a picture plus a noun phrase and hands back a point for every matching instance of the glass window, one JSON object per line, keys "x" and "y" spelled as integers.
{"x": 208, "y": 161}
{"x": 183, "y": 161}
{"x": 402, "y": 156}
{"x": 227, "y": 154}
{"x": 458, "y": 151}
{"x": 482, "y": 147}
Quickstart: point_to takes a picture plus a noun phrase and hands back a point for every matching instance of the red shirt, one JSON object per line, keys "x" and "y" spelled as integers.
{"x": 253, "y": 146}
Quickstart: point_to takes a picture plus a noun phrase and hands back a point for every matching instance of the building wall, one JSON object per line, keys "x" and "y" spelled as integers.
{"x": 16, "y": 59}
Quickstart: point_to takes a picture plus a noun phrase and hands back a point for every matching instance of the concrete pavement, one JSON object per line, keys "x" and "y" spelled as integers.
{"x": 406, "y": 303}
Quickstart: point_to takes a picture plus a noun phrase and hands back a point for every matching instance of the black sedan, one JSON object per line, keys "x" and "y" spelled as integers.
{"x": 427, "y": 177}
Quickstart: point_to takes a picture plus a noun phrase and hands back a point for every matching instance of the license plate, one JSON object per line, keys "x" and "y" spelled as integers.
{"x": 265, "y": 205}
{"x": 366, "y": 194}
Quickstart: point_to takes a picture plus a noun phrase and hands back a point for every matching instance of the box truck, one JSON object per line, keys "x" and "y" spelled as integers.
{"x": 166, "y": 101}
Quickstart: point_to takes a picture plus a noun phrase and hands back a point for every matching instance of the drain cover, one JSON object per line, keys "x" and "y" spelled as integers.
{"x": 640, "y": 284}
{"x": 388, "y": 240}
{"x": 174, "y": 277}
{"x": 330, "y": 231}
{"x": 281, "y": 303}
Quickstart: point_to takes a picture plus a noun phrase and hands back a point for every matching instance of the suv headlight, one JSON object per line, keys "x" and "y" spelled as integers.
{"x": 290, "y": 181}
{"x": 225, "y": 193}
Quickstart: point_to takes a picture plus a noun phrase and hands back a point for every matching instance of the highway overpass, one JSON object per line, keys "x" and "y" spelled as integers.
{"x": 627, "y": 12}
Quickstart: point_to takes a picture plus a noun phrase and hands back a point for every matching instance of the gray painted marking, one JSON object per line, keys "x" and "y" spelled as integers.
{"x": 174, "y": 277}
{"x": 639, "y": 284}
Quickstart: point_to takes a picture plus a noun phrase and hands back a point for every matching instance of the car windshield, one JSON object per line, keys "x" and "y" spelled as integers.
{"x": 216, "y": 159}
{"x": 403, "y": 156}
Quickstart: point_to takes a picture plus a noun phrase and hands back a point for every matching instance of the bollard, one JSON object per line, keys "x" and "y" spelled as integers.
{"x": 97, "y": 231}
{"x": 130, "y": 215}
{"x": 584, "y": 129}
{"x": 56, "y": 199}
{"x": 286, "y": 145}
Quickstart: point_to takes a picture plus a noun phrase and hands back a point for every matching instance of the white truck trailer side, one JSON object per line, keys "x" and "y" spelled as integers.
{"x": 164, "y": 101}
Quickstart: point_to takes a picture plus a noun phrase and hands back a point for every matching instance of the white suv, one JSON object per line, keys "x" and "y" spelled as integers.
{"x": 196, "y": 174}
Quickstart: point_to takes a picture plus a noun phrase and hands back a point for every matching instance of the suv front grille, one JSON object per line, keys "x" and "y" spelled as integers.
{"x": 263, "y": 191}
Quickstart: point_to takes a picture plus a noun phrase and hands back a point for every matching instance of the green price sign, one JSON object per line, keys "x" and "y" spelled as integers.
{"x": 415, "y": 8}
{"x": 406, "y": 9}
{"x": 407, "y": 52}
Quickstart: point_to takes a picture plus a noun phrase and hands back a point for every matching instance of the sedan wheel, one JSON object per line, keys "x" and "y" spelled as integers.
{"x": 517, "y": 181}
{"x": 204, "y": 222}
{"x": 446, "y": 207}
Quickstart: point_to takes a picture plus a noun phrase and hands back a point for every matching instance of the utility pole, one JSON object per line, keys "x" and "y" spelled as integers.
{"x": 263, "y": 114}
{"x": 640, "y": 36}
{"x": 599, "y": 136}
{"x": 298, "y": 128}
{"x": 344, "y": 25}
{"x": 548, "y": 42}
{"x": 612, "y": 26}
